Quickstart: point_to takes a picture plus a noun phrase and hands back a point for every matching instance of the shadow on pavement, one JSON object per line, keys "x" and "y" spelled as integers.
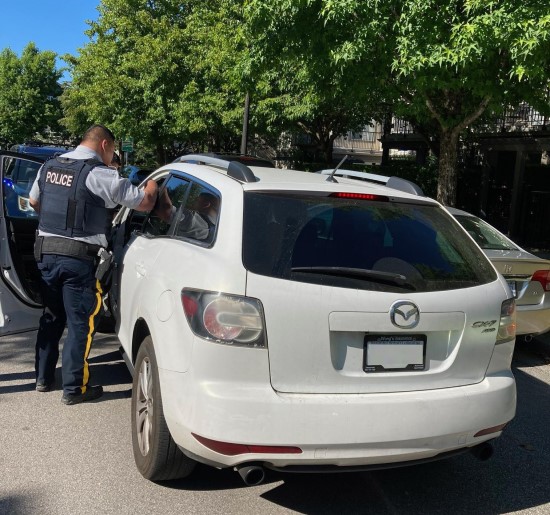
{"x": 107, "y": 367}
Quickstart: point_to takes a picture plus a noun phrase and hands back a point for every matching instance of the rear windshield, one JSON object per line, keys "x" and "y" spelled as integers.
{"x": 365, "y": 244}
{"x": 486, "y": 236}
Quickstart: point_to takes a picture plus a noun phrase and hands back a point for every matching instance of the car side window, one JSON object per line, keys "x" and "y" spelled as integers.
{"x": 170, "y": 198}
{"x": 197, "y": 218}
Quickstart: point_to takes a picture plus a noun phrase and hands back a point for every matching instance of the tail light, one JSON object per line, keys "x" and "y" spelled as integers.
{"x": 229, "y": 319}
{"x": 543, "y": 277}
{"x": 507, "y": 325}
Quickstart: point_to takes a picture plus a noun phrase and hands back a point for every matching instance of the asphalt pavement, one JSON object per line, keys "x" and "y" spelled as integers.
{"x": 57, "y": 459}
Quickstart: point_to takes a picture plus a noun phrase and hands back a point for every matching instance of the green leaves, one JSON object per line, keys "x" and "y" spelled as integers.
{"x": 306, "y": 56}
{"x": 29, "y": 92}
{"x": 166, "y": 71}
{"x": 163, "y": 72}
{"x": 441, "y": 64}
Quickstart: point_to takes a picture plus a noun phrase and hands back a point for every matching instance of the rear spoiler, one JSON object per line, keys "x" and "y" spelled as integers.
{"x": 391, "y": 182}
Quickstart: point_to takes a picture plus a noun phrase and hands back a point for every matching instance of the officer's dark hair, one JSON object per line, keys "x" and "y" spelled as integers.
{"x": 98, "y": 132}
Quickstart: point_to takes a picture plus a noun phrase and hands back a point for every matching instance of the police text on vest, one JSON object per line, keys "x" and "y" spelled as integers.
{"x": 61, "y": 178}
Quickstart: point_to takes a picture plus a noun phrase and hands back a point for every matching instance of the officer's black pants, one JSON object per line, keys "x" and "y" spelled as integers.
{"x": 71, "y": 296}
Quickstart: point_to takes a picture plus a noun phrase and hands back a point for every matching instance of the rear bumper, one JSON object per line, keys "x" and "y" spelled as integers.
{"x": 532, "y": 319}
{"x": 329, "y": 469}
{"x": 333, "y": 430}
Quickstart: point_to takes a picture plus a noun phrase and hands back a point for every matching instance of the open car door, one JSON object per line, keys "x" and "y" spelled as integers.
{"x": 20, "y": 303}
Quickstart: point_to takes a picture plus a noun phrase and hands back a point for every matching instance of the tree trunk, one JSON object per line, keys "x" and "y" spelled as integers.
{"x": 448, "y": 146}
{"x": 327, "y": 147}
{"x": 447, "y": 179}
{"x": 160, "y": 154}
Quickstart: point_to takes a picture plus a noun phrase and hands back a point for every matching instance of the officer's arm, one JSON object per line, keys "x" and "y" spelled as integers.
{"x": 34, "y": 204}
{"x": 164, "y": 208}
{"x": 150, "y": 197}
{"x": 34, "y": 192}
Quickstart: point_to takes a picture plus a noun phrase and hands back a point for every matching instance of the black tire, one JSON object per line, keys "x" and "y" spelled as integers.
{"x": 156, "y": 455}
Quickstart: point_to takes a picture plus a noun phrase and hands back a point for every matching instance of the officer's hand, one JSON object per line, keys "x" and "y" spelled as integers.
{"x": 163, "y": 208}
{"x": 151, "y": 186}
{"x": 150, "y": 197}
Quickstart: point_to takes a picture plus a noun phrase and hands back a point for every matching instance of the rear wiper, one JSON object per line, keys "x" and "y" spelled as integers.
{"x": 342, "y": 271}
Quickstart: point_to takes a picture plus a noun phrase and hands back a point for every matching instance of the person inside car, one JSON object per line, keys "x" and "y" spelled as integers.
{"x": 198, "y": 222}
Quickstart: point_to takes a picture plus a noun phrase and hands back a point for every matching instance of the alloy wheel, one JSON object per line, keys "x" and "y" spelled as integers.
{"x": 144, "y": 407}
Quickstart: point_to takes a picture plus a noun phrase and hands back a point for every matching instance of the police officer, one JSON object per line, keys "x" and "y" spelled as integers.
{"x": 74, "y": 195}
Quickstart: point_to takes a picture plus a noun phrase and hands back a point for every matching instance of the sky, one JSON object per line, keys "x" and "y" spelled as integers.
{"x": 56, "y": 25}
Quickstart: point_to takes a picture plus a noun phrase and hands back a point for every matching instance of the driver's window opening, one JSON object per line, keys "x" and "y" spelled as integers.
{"x": 170, "y": 198}
{"x": 197, "y": 218}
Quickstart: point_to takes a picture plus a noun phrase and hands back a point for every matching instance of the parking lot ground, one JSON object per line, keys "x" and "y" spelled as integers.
{"x": 57, "y": 459}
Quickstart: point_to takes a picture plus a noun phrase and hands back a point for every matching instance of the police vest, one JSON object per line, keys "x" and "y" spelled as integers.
{"x": 67, "y": 207}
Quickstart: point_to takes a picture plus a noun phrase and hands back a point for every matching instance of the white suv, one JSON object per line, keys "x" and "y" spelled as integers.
{"x": 306, "y": 322}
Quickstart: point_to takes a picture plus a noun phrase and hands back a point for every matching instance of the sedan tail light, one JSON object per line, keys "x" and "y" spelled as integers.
{"x": 543, "y": 277}
{"x": 229, "y": 319}
{"x": 507, "y": 325}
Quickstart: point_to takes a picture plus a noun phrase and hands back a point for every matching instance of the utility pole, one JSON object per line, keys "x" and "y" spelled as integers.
{"x": 244, "y": 140}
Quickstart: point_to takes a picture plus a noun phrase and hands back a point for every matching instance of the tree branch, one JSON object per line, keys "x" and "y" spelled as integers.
{"x": 475, "y": 115}
{"x": 466, "y": 121}
{"x": 305, "y": 128}
{"x": 435, "y": 113}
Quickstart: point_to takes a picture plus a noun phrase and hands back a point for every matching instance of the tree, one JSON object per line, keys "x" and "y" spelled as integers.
{"x": 130, "y": 75}
{"x": 450, "y": 61}
{"x": 161, "y": 71}
{"x": 210, "y": 107}
{"x": 300, "y": 84}
{"x": 29, "y": 91}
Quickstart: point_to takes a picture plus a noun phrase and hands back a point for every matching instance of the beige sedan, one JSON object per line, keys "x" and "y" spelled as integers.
{"x": 527, "y": 275}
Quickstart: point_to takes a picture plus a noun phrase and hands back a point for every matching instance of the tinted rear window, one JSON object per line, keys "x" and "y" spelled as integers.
{"x": 359, "y": 244}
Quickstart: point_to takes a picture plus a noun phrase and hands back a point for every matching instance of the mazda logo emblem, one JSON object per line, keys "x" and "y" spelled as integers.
{"x": 404, "y": 314}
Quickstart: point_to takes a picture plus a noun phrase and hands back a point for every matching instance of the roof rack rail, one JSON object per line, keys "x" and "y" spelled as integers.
{"x": 234, "y": 169}
{"x": 391, "y": 182}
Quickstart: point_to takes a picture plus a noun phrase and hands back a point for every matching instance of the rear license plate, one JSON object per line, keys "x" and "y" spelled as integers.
{"x": 394, "y": 353}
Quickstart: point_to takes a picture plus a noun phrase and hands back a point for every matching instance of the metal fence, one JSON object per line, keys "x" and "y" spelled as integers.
{"x": 367, "y": 140}
{"x": 521, "y": 118}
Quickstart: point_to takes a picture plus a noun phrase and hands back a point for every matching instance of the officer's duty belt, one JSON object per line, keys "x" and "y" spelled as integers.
{"x": 64, "y": 247}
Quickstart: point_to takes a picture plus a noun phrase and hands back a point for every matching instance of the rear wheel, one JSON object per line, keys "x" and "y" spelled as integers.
{"x": 156, "y": 455}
